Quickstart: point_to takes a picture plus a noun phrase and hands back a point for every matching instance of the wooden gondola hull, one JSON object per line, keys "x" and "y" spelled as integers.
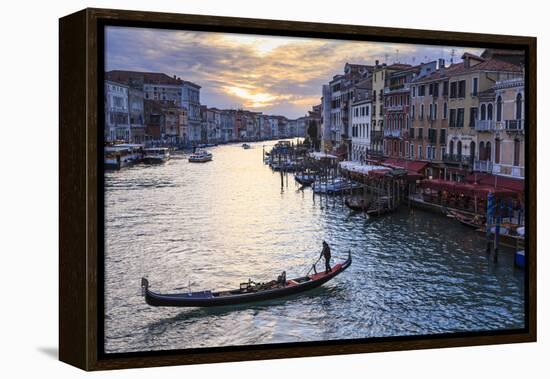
{"x": 212, "y": 299}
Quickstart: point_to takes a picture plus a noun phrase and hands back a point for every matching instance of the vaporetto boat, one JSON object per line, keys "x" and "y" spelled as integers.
{"x": 156, "y": 155}
{"x": 119, "y": 156}
{"x": 200, "y": 156}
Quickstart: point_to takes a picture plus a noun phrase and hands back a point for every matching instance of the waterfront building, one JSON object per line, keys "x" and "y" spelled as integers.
{"x": 136, "y": 114}
{"x": 427, "y": 133}
{"x": 379, "y": 79}
{"x": 292, "y": 128}
{"x": 467, "y": 114}
{"x": 336, "y": 134}
{"x": 227, "y": 124}
{"x": 117, "y": 117}
{"x": 211, "y": 130}
{"x": 167, "y": 89}
{"x": 502, "y": 137}
{"x": 173, "y": 123}
{"x": 361, "y": 127}
{"x": 154, "y": 120}
{"x": 273, "y": 126}
{"x": 325, "y": 135}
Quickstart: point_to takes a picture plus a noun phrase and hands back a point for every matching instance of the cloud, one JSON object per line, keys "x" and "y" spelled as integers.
{"x": 279, "y": 75}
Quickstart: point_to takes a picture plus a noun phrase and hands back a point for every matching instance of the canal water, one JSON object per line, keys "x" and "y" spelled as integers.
{"x": 214, "y": 225}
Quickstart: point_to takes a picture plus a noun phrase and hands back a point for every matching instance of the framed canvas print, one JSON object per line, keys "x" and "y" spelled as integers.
{"x": 239, "y": 189}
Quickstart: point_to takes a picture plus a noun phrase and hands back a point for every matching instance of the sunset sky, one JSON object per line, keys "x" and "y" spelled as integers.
{"x": 274, "y": 75}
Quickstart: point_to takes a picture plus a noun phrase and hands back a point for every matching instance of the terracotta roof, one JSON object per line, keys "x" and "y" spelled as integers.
{"x": 147, "y": 77}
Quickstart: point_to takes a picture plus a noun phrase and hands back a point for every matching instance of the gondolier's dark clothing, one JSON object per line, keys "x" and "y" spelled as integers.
{"x": 326, "y": 254}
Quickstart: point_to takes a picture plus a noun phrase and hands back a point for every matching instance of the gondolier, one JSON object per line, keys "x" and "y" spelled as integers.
{"x": 326, "y": 254}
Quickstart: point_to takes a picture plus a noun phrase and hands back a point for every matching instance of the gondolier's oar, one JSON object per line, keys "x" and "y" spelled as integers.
{"x": 313, "y": 267}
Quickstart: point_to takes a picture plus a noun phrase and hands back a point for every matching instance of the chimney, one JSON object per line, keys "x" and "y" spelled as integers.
{"x": 376, "y": 63}
{"x": 466, "y": 62}
{"x": 442, "y": 66}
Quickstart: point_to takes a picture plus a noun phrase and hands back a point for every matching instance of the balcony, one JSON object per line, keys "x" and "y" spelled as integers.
{"x": 514, "y": 125}
{"x": 395, "y": 108}
{"x": 397, "y": 88}
{"x": 483, "y": 166}
{"x": 457, "y": 159}
{"x": 485, "y": 126}
{"x": 395, "y": 133}
{"x": 509, "y": 170}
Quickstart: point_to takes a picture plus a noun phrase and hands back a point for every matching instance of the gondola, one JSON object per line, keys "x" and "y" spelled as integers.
{"x": 248, "y": 291}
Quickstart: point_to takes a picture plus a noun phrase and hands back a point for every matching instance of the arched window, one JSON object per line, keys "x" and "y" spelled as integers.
{"x": 497, "y": 151}
{"x": 472, "y": 150}
{"x": 519, "y": 103}
{"x": 482, "y": 112}
{"x": 499, "y": 108}
{"x": 451, "y": 147}
{"x": 490, "y": 112}
{"x": 482, "y": 151}
{"x": 488, "y": 151}
{"x": 459, "y": 148}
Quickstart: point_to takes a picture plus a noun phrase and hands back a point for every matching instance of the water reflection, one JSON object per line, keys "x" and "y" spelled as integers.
{"x": 214, "y": 225}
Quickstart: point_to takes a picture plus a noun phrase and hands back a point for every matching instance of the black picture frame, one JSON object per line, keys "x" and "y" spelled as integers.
{"x": 81, "y": 187}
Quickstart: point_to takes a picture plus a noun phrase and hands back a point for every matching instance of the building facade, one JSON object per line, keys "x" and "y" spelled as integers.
{"x": 361, "y": 128}
{"x": 117, "y": 117}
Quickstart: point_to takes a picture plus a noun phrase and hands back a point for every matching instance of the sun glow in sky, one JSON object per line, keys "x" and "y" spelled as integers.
{"x": 274, "y": 75}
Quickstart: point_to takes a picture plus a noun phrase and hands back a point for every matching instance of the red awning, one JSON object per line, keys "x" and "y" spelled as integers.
{"x": 411, "y": 166}
{"x": 497, "y": 182}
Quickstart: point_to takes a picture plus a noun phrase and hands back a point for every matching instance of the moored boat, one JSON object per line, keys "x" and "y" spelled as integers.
{"x": 306, "y": 179}
{"x": 200, "y": 156}
{"x": 122, "y": 155}
{"x": 246, "y": 293}
{"x": 334, "y": 187}
{"x": 155, "y": 155}
{"x": 245, "y": 146}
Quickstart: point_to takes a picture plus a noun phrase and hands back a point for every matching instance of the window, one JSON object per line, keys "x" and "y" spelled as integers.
{"x": 499, "y": 108}
{"x": 474, "y": 87}
{"x": 443, "y": 151}
{"x": 420, "y": 133}
{"x": 374, "y": 109}
{"x": 473, "y": 116}
{"x": 488, "y": 151}
{"x": 453, "y": 90}
{"x": 459, "y": 148}
{"x": 460, "y": 117}
{"x": 451, "y": 147}
{"x": 414, "y": 91}
{"x": 497, "y": 151}
{"x": 442, "y": 136}
{"x": 490, "y": 112}
{"x": 421, "y": 90}
{"x": 452, "y": 118}
{"x": 519, "y": 104}
{"x": 367, "y": 110}
{"x": 428, "y": 152}
{"x": 483, "y": 112}
{"x": 445, "y": 111}
{"x": 436, "y": 90}
{"x": 411, "y": 153}
{"x": 411, "y": 133}
{"x": 431, "y": 89}
{"x": 412, "y": 111}
{"x": 435, "y": 111}
{"x": 419, "y": 152}
{"x": 421, "y": 111}
{"x": 462, "y": 88}
{"x": 445, "y": 88}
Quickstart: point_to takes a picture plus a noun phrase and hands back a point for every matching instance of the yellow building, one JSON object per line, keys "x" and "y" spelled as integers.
{"x": 501, "y": 130}
{"x": 467, "y": 80}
